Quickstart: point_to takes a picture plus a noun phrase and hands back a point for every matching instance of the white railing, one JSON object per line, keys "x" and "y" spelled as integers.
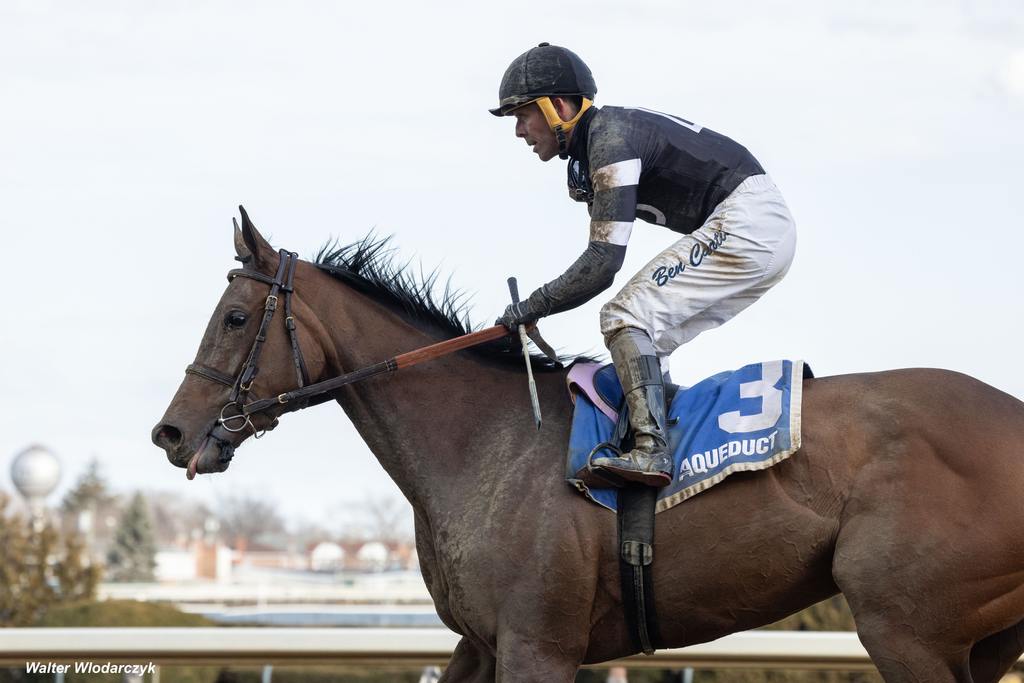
{"x": 412, "y": 647}
{"x": 363, "y": 589}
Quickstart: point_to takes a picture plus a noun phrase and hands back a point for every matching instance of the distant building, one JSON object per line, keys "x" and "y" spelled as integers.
{"x": 201, "y": 560}
{"x": 373, "y": 556}
{"x": 327, "y": 557}
{"x": 257, "y": 556}
{"x": 377, "y": 556}
{"x": 206, "y": 559}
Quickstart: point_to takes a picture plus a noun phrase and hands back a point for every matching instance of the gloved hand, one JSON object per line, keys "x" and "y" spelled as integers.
{"x": 516, "y": 315}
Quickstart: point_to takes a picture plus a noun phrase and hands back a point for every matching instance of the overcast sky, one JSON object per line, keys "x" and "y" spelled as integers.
{"x": 129, "y": 132}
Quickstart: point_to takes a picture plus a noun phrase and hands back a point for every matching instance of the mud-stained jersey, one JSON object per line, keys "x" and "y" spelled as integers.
{"x": 636, "y": 163}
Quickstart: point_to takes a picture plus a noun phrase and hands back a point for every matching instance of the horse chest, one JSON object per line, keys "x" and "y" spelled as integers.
{"x": 453, "y": 567}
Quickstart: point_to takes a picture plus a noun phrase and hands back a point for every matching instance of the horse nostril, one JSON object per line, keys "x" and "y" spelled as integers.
{"x": 166, "y": 436}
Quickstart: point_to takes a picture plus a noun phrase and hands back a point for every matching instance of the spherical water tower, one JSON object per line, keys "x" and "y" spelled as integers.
{"x": 35, "y": 473}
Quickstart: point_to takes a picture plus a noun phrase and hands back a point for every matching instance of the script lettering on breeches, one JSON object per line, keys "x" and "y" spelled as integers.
{"x": 662, "y": 274}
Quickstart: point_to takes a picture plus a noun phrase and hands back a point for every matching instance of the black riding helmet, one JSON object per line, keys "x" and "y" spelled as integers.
{"x": 543, "y": 71}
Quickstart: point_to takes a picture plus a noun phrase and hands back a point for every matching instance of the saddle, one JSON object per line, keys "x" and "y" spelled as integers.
{"x": 600, "y": 384}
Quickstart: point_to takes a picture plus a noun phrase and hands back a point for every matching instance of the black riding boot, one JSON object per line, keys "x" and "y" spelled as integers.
{"x": 640, "y": 374}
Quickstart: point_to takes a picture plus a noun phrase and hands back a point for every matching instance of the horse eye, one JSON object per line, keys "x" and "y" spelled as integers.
{"x": 235, "y": 319}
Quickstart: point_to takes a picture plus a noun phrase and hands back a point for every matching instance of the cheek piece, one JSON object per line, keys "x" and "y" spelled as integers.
{"x": 559, "y": 127}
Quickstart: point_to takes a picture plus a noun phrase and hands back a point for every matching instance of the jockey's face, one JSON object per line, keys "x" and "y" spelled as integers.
{"x": 533, "y": 127}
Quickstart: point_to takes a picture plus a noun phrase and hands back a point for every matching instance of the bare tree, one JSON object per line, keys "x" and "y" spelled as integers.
{"x": 380, "y": 518}
{"x": 177, "y": 520}
{"x": 249, "y": 519}
{"x": 389, "y": 518}
{"x": 305, "y": 534}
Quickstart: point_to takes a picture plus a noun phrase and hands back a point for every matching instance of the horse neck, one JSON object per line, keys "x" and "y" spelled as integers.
{"x": 425, "y": 424}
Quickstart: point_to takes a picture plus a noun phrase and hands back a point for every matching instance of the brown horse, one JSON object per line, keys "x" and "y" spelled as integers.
{"x": 906, "y": 495}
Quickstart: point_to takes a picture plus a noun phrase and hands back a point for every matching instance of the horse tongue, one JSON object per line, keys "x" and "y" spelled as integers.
{"x": 193, "y": 463}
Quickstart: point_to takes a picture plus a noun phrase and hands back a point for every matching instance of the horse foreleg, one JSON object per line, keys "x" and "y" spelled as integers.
{"x": 469, "y": 664}
{"x": 527, "y": 660}
{"x": 993, "y": 656}
{"x": 901, "y": 657}
{"x": 520, "y": 660}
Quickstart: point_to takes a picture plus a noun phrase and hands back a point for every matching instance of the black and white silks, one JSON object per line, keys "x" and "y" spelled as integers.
{"x": 633, "y": 163}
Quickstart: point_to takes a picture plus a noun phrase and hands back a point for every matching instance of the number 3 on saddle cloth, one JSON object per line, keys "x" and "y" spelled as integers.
{"x": 738, "y": 421}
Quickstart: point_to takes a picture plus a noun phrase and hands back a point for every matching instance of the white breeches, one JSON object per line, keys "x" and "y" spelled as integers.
{"x": 743, "y": 249}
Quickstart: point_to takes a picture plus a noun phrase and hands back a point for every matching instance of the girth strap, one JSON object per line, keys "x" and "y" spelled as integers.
{"x": 636, "y": 554}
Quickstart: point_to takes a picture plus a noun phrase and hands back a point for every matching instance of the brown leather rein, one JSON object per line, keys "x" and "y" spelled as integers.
{"x": 306, "y": 395}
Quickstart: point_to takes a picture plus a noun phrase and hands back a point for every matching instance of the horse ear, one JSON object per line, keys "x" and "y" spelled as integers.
{"x": 241, "y": 249}
{"x": 251, "y": 247}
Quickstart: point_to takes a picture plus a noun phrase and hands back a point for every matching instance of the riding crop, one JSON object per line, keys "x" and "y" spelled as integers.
{"x": 513, "y": 289}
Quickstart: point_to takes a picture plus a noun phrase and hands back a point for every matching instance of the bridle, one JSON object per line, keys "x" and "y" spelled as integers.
{"x": 241, "y": 386}
{"x": 307, "y": 394}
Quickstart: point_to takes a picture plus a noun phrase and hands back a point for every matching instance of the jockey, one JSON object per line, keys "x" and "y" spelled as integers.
{"x": 738, "y": 236}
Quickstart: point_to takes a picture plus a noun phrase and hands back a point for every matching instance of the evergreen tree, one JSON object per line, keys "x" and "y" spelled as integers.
{"x": 39, "y": 570}
{"x": 132, "y": 555}
{"x": 90, "y": 492}
{"x": 90, "y": 507}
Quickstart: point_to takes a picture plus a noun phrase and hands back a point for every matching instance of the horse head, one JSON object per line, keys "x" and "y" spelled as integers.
{"x": 261, "y": 340}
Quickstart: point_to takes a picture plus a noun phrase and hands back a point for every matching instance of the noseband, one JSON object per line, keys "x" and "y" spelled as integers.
{"x": 241, "y": 386}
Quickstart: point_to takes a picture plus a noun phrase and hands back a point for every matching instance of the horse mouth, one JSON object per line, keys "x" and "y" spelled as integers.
{"x": 213, "y": 455}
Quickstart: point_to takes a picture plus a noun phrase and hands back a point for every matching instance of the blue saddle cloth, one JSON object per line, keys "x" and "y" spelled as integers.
{"x": 743, "y": 420}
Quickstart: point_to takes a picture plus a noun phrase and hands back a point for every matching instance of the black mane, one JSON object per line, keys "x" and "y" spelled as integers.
{"x": 369, "y": 266}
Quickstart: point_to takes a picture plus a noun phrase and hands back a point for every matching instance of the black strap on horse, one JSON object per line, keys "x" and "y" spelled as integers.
{"x": 636, "y": 505}
{"x": 636, "y": 554}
